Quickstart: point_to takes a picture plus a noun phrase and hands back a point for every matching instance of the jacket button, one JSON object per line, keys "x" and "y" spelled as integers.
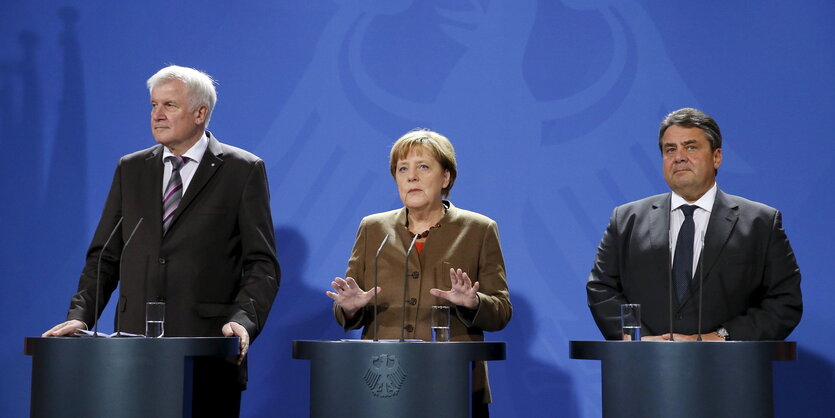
{"x": 413, "y": 301}
{"x": 415, "y": 274}
{"x": 409, "y": 328}
{"x": 162, "y": 261}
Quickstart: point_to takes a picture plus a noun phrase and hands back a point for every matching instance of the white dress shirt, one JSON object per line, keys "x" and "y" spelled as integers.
{"x": 194, "y": 154}
{"x": 701, "y": 216}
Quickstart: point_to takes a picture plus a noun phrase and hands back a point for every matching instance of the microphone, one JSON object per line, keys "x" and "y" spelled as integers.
{"x": 406, "y": 286}
{"x": 98, "y": 275}
{"x": 382, "y": 244}
{"x": 121, "y": 257}
{"x": 701, "y": 280}
{"x": 670, "y": 285}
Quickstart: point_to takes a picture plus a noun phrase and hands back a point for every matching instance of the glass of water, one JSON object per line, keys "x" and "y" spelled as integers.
{"x": 630, "y": 320}
{"x": 154, "y": 319}
{"x": 440, "y": 323}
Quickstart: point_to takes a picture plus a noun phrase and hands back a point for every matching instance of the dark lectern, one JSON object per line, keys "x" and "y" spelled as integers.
{"x": 392, "y": 379}
{"x": 685, "y": 379}
{"x": 117, "y": 377}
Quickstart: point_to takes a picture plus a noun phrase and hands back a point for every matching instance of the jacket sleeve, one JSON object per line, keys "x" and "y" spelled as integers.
{"x": 261, "y": 273}
{"x": 82, "y": 304}
{"x": 780, "y": 307}
{"x": 494, "y": 308}
{"x": 603, "y": 288}
{"x": 356, "y": 270}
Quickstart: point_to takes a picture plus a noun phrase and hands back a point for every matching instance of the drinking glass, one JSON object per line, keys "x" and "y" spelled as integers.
{"x": 630, "y": 320}
{"x": 440, "y": 323}
{"x": 154, "y": 319}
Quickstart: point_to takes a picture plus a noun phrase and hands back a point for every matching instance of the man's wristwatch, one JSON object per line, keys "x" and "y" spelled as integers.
{"x": 723, "y": 334}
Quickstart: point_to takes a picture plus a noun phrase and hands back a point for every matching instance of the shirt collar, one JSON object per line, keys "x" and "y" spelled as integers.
{"x": 705, "y": 202}
{"x": 195, "y": 153}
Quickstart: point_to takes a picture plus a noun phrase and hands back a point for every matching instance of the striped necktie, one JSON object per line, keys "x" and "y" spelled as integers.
{"x": 173, "y": 192}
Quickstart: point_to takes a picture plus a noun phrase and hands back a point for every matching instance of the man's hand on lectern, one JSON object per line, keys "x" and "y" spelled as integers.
{"x": 65, "y": 328}
{"x": 234, "y": 329}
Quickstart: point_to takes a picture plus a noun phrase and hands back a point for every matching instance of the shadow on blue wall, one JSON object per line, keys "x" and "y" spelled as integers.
{"x": 284, "y": 384}
{"x": 21, "y": 180}
{"x": 21, "y": 122}
{"x": 533, "y": 385}
{"x": 45, "y": 187}
{"x": 66, "y": 188}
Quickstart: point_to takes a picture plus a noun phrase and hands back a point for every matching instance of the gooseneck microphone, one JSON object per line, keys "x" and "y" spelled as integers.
{"x": 376, "y": 325}
{"x": 98, "y": 275}
{"x": 406, "y": 286}
{"x": 122, "y": 257}
{"x": 670, "y": 285}
{"x": 701, "y": 281}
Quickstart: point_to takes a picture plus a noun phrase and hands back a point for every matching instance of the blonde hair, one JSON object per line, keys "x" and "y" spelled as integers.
{"x": 436, "y": 144}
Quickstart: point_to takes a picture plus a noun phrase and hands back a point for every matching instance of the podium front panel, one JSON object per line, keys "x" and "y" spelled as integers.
{"x": 685, "y": 379}
{"x": 392, "y": 379}
{"x": 117, "y": 377}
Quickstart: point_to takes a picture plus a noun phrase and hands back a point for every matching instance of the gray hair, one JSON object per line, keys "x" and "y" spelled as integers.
{"x": 692, "y": 118}
{"x": 199, "y": 86}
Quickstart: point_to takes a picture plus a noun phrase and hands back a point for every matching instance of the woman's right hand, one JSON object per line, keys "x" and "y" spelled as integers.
{"x": 349, "y": 296}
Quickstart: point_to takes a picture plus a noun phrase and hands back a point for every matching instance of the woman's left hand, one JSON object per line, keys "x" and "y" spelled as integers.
{"x": 463, "y": 292}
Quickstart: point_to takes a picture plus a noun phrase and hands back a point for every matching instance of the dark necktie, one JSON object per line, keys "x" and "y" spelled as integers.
{"x": 683, "y": 261}
{"x": 173, "y": 192}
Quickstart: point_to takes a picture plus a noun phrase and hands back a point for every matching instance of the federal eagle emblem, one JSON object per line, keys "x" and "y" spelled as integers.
{"x": 384, "y": 376}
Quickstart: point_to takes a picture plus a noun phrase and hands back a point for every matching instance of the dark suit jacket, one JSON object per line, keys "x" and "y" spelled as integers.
{"x": 751, "y": 278}
{"x": 465, "y": 240}
{"x": 216, "y": 264}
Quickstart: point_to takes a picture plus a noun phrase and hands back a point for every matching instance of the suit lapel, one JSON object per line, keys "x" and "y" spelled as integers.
{"x": 722, "y": 221}
{"x": 660, "y": 238}
{"x": 153, "y": 188}
{"x": 209, "y": 165}
{"x": 719, "y": 228}
{"x": 659, "y": 225}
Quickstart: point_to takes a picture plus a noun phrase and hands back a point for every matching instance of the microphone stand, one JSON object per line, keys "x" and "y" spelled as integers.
{"x": 670, "y": 286}
{"x": 121, "y": 257}
{"x": 406, "y": 286}
{"x": 98, "y": 276}
{"x": 376, "y": 325}
{"x": 701, "y": 281}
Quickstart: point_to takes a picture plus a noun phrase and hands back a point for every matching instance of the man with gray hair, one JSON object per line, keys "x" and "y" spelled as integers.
{"x": 658, "y": 252}
{"x": 205, "y": 245}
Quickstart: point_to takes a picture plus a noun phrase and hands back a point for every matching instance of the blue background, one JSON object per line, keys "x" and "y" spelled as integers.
{"x": 553, "y": 107}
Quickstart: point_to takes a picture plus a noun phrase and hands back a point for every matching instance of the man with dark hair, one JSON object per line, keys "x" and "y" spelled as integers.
{"x": 205, "y": 247}
{"x": 657, "y": 251}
